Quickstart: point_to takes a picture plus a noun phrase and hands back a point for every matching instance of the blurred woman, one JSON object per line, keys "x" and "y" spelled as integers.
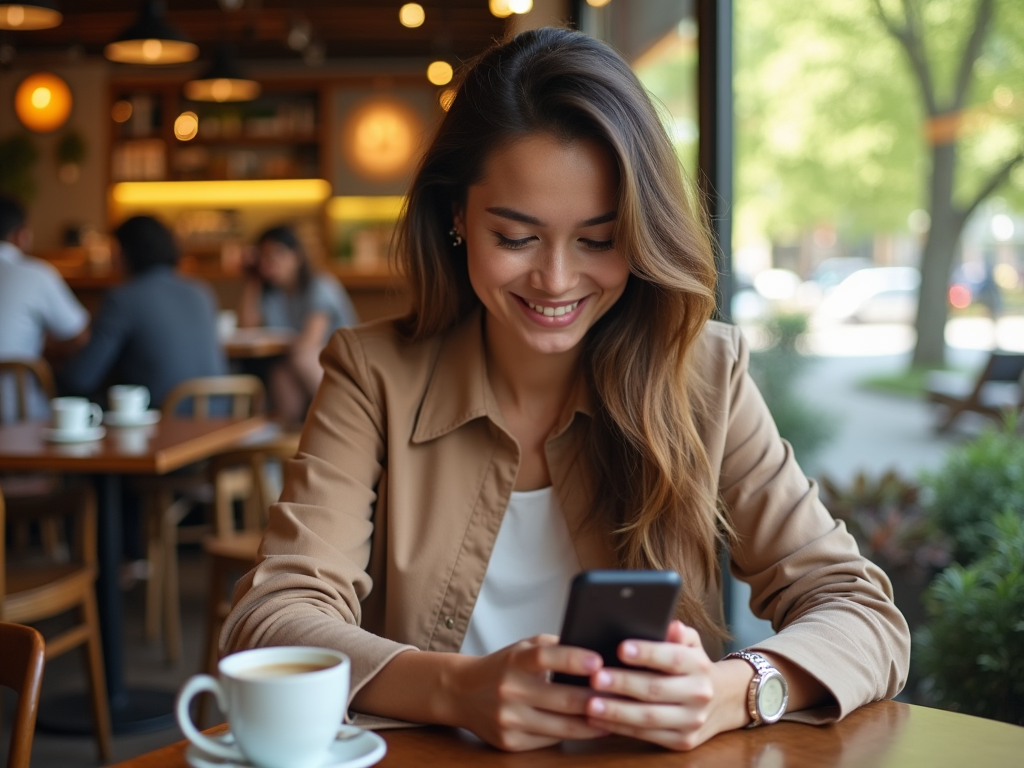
{"x": 283, "y": 291}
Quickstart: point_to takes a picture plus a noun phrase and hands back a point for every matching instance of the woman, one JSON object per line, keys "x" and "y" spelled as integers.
{"x": 557, "y": 399}
{"x": 284, "y": 292}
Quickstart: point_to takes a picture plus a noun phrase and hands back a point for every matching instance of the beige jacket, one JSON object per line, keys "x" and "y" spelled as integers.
{"x": 391, "y": 508}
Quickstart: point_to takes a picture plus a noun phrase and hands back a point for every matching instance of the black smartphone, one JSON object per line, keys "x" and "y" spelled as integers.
{"x": 607, "y": 607}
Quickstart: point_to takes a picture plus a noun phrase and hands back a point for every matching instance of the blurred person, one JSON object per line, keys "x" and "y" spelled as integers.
{"x": 38, "y": 312}
{"x": 284, "y": 291}
{"x": 157, "y": 329}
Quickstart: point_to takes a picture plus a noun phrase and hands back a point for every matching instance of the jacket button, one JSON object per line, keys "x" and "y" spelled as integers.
{"x": 449, "y": 622}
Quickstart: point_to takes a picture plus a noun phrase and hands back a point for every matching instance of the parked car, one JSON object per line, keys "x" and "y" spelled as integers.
{"x": 876, "y": 295}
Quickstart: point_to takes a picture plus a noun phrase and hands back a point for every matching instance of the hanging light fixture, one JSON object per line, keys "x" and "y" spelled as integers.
{"x": 223, "y": 81}
{"x": 151, "y": 40}
{"x": 35, "y": 14}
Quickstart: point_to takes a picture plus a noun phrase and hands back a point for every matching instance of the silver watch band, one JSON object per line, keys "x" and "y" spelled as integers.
{"x": 762, "y": 669}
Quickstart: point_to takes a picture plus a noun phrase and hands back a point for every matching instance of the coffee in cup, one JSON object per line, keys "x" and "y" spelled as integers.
{"x": 128, "y": 401}
{"x": 284, "y": 705}
{"x": 74, "y": 414}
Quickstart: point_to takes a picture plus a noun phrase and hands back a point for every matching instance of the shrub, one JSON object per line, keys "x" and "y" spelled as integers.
{"x": 972, "y": 648}
{"x": 977, "y": 481}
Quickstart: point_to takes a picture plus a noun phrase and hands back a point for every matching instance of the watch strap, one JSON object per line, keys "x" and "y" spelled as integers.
{"x": 761, "y": 667}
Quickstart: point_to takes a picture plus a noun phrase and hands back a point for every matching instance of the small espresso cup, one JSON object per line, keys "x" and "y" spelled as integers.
{"x": 128, "y": 399}
{"x": 284, "y": 705}
{"x": 74, "y": 414}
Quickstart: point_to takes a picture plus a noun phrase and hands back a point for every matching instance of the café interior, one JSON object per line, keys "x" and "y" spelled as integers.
{"x": 223, "y": 118}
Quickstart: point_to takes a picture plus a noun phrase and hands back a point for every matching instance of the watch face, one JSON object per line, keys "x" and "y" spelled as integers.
{"x": 771, "y": 697}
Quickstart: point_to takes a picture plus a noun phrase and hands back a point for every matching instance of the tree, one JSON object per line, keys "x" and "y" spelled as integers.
{"x": 945, "y": 113}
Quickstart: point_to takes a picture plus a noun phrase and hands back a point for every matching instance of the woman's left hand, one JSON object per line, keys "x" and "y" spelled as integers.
{"x": 676, "y": 697}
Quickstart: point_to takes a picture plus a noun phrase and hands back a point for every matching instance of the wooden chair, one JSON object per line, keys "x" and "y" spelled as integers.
{"x": 170, "y": 498}
{"x": 21, "y": 668}
{"x": 997, "y": 389}
{"x": 30, "y": 593}
{"x": 232, "y": 551}
{"x": 25, "y": 375}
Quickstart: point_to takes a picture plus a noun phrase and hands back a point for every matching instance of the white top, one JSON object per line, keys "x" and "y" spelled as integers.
{"x": 527, "y": 581}
{"x": 34, "y": 301}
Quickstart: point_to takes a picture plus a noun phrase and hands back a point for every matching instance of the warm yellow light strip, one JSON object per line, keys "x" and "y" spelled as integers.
{"x": 253, "y": 192}
{"x": 378, "y": 208}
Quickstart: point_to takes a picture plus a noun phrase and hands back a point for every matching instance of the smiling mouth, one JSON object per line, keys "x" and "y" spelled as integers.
{"x": 548, "y": 311}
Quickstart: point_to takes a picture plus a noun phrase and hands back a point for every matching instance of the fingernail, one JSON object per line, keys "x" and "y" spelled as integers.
{"x": 592, "y": 663}
{"x": 630, "y": 651}
{"x": 597, "y": 706}
{"x": 604, "y": 679}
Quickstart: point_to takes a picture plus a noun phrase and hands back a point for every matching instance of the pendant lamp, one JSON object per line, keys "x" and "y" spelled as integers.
{"x": 223, "y": 81}
{"x": 151, "y": 40}
{"x": 35, "y": 14}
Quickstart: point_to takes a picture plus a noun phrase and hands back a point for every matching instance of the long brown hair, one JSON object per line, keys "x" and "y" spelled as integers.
{"x": 651, "y": 474}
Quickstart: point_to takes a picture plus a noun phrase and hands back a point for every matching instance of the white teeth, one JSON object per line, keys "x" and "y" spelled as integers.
{"x": 552, "y": 311}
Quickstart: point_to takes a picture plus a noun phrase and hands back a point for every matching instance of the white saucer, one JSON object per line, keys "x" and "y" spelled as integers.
{"x": 355, "y": 748}
{"x": 143, "y": 419}
{"x": 78, "y": 436}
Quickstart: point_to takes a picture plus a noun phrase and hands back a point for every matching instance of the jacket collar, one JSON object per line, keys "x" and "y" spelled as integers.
{"x": 459, "y": 390}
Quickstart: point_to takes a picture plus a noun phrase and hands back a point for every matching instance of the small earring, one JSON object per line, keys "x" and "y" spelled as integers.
{"x": 453, "y": 233}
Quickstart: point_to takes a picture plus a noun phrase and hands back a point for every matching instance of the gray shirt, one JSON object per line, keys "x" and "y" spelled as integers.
{"x": 157, "y": 330}
{"x": 324, "y": 293}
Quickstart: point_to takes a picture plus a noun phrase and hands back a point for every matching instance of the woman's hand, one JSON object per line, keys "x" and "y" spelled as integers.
{"x": 679, "y": 698}
{"x": 506, "y": 698}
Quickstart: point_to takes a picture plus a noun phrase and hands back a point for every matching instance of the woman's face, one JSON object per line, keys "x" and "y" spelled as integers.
{"x": 538, "y": 228}
{"x": 278, "y": 264}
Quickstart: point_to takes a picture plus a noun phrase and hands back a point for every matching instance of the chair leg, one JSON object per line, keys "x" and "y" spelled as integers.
{"x": 171, "y": 599}
{"x": 154, "y": 553}
{"x": 97, "y": 678}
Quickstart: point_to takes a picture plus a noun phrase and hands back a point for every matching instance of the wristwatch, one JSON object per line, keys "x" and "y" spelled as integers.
{"x": 768, "y": 694}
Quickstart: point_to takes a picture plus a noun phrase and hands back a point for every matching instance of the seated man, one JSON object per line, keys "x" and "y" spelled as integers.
{"x": 37, "y": 309}
{"x": 157, "y": 329}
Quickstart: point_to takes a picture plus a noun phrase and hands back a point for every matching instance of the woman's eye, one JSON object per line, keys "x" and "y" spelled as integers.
{"x": 512, "y": 245}
{"x": 599, "y": 245}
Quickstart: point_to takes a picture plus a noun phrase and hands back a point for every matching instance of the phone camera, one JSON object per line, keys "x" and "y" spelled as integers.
{"x": 626, "y": 592}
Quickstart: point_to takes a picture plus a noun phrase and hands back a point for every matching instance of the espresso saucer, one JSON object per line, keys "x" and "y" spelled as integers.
{"x": 354, "y": 748}
{"x": 141, "y": 419}
{"x": 77, "y": 436}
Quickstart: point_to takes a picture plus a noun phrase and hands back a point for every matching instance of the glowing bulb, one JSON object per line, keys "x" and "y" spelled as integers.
{"x": 15, "y": 16}
{"x": 121, "y": 112}
{"x": 41, "y": 97}
{"x": 412, "y": 15}
{"x": 446, "y": 97}
{"x": 440, "y": 72}
{"x": 520, "y": 6}
{"x": 221, "y": 89}
{"x": 598, "y": 3}
{"x": 500, "y": 8}
{"x": 151, "y": 50}
{"x": 186, "y": 126}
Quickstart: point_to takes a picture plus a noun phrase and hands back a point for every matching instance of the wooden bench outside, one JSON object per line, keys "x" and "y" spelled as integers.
{"x": 999, "y": 388}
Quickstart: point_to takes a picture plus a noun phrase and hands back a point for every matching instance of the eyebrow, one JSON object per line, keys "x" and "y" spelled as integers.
{"x": 525, "y": 218}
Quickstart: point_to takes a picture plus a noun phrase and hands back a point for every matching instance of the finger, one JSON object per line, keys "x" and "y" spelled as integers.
{"x": 684, "y": 635}
{"x": 672, "y": 739}
{"x": 548, "y": 724}
{"x": 670, "y": 658}
{"x": 695, "y": 690}
{"x": 643, "y": 715}
{"x": 537, "y": 659}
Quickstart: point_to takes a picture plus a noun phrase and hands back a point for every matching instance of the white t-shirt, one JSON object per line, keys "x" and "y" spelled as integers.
{"x": 34, "y": 301}
{"x": 527, "y": 581}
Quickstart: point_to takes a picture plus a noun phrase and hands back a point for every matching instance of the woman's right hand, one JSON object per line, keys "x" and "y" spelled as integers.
{"x": 506, "y": 698}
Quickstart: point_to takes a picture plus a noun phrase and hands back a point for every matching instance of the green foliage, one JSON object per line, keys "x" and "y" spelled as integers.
{"x": 18, "y": 156}
{"x": 775, "y": 369}
{"x": 71, "y": 148}
{"x": 972, "y": 646}
{"x": 978, "y": 480}
{"x": 885, "y": 517}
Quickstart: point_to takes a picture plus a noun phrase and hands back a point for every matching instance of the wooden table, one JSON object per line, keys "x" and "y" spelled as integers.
{"x": 258, "y": 342}
{"x": 154, "y": 450}
{"x": 881, "y": 734}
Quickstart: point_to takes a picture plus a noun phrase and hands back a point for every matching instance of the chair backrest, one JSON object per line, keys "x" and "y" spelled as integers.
{"x": 21, "y": 668}
{"x": 23, "y": 373}
{"x": 246, "y": 393}
{"x": 1004, "y": 366}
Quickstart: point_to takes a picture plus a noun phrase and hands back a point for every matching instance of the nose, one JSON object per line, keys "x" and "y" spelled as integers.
{"x": 555, "y": 272}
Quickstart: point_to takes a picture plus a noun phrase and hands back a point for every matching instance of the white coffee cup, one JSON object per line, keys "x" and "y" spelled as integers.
{"x": 227, "y": 324}
{"x": 128, "y": 400}
{"x": 74, "y": 414}
{"x": 284, "y": 705}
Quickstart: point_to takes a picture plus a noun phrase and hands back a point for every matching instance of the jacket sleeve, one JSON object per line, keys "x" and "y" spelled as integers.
{"x": 832, "y": 608}
{"x": 85, "y": 372}
{"x": 311, "y": 575}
